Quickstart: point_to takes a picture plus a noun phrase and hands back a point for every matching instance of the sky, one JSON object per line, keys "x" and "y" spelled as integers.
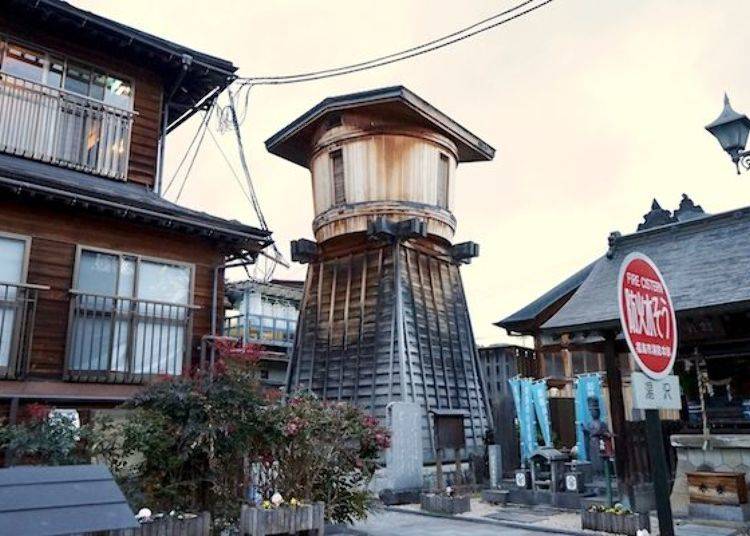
{"x": 595, "y": 107}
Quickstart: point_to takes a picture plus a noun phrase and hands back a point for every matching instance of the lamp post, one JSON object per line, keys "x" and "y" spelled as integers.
{"x": 731, "y": 129}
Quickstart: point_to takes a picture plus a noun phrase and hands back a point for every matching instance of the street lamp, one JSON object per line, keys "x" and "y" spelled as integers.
{"x": 731, "y": 130}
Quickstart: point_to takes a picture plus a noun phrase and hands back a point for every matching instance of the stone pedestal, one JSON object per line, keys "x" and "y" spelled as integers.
{"x": 402, "y": 479}
{"x": 495, "y": 456}
{"x": 723, "y": 452}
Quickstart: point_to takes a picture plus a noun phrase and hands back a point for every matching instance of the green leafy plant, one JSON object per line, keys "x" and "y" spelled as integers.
{"x": 184, "y": 444}
{"x": 320, "y": 451}
{"x": 37, "y": 439}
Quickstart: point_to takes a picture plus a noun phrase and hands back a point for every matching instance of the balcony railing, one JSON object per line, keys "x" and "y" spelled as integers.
{"x": 261, "y": 329}
{"x": 63, "y": 128}
{"x": 126, "y": 340}
{"x": 17, "y": 313}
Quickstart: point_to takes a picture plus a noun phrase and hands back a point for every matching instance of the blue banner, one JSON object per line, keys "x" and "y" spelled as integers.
{"x": 528, "y": 418}
{"x": 515, "y": 388}
{"x": 587, "y": 386}
{"x": 541, "y": 403}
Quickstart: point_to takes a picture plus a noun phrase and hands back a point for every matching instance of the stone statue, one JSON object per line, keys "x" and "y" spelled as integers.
{"x": 595, "y": 430}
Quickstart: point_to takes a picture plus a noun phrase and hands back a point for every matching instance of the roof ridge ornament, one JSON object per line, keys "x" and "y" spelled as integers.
{"x": 656, "y": 217}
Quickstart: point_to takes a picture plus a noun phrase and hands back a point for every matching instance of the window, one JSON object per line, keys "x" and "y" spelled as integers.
{"x": 442, "y": 183}
{"x": 12, "y": 263}
{"x": 554, "y": 365}
{"x": 36, "y": 65}
{"x": 585, "y": 362}
{"x": 130, "y": 314}
{"x": 63, "y": 111}
{"x": 337, "y": 176}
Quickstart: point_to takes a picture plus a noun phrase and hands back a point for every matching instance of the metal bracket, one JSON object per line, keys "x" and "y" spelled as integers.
{"x": 304, "y": 251}
{"x": 384, "y": 228}
{"x": 464, "y": 252}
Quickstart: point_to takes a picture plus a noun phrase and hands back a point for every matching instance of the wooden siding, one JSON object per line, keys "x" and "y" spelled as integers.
{"x": 147, "y": 85}
{"x": 383, "y": 323}
{"x": 393, "y": 173}
{"x": 55, "y": 232}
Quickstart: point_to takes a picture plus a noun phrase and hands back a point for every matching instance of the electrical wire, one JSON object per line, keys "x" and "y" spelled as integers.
{"x": 185, "y": 156}
{"x": 195, "y": 154}
{"x": 409, "y": 53}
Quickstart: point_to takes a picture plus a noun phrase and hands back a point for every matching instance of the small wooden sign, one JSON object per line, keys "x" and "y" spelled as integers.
{"x": 717, "y": 488}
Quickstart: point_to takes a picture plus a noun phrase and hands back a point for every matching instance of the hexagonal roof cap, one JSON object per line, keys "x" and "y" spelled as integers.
{"x": 293, "y": 141}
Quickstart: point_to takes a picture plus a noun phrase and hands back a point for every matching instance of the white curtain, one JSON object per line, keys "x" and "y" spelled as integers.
{"x": 11, "y": 271}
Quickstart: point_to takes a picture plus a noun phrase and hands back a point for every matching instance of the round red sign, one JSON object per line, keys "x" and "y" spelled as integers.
{"x": 647, "y": 315}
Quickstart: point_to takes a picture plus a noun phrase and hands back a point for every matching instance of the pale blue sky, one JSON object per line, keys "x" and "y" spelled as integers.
{"x": 595, "y": 107}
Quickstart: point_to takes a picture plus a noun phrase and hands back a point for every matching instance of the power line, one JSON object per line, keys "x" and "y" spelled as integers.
{"x": 231, "y": 167}
{"x": 187, "y": 153}
{"x": 412, "y": 52}
{"x": 195, "y": 153}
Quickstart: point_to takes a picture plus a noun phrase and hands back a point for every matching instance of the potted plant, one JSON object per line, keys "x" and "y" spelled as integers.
{"x": 446, "y": 502}
{"x": 614, "y": 519}
{"x": 277, "y": 516}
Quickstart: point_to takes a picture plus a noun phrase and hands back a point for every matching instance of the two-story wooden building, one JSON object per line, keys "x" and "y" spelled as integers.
{"x": 103, "y": 282}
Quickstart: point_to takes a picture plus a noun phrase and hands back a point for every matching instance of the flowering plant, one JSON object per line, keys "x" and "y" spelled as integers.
{"x": 39, "y": 439}
{"x": 322, "y": 451}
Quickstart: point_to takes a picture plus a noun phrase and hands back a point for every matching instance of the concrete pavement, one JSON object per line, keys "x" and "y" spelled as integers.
{"x": 389, "y": 523}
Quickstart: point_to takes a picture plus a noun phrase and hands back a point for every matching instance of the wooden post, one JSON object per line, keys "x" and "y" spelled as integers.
{"x": 459, "y": 474}
{"x": 617, "y": 412}
{"x": 660, "y": 473}
{"x": 439, "y": 470}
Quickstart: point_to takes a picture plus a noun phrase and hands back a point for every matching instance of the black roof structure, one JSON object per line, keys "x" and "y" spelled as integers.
{"x": 121, "y": 199}
{"x": 292, "y": 142}
{"x": 528, "y": 316}
{"x": 189, "y": 75}
{"x": 704, "y": 262}
{"x": 73, "y": 499}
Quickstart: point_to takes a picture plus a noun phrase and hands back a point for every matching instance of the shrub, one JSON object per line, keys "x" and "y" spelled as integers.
{"x": 37, "y": 439}
{"x": 320, "y": 451}
{"x": 183, "y": 445}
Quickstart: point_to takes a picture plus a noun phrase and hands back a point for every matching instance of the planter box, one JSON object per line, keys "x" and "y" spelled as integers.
{"x": 616, "y": 524}
{"x": 442, "y": 504}
{"x": 198, "y": 525}
{"x": 284, "y": 520}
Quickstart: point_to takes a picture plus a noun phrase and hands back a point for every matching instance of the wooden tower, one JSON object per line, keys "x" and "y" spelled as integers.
{"x": 384, "y": 316}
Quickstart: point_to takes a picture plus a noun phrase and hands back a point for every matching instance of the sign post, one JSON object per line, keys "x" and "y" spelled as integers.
{"x": 650, "y": 328}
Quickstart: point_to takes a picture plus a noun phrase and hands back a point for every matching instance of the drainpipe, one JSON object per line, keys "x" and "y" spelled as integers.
{"x": 187, "y": 60}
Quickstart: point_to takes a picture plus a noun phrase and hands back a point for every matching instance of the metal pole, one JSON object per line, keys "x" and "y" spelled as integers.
{"x": 659, "y": 472}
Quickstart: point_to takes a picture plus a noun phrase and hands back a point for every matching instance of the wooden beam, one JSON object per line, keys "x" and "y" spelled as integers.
{"x": 617, "y": 412}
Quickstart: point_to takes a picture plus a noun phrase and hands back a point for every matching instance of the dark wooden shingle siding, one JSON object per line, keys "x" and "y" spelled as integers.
{"x": 348, "y": 339}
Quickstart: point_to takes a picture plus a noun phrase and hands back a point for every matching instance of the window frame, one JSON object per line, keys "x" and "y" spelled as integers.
{"x": 443, "y": 181}
{"x": 26, "y": 239}
{"x": 6, "y": 39}
{"x": 74, "y": 290}
{"x": 334, "y": 155}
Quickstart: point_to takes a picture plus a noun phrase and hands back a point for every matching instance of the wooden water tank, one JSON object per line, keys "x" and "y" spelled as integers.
{"x": 385, "y": 153}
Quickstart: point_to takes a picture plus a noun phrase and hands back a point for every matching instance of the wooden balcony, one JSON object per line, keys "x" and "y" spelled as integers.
{"x": 62, "y": 128}
{"x": 120, "y": 339}
{"x": 17, "y": 314}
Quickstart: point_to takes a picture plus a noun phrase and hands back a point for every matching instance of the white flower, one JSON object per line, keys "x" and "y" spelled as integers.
{"x": 448, "y": 490}
{"x": 642, "y": 532}
{"x": 144, "y": 514}
{"x": 277, "y": 499}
